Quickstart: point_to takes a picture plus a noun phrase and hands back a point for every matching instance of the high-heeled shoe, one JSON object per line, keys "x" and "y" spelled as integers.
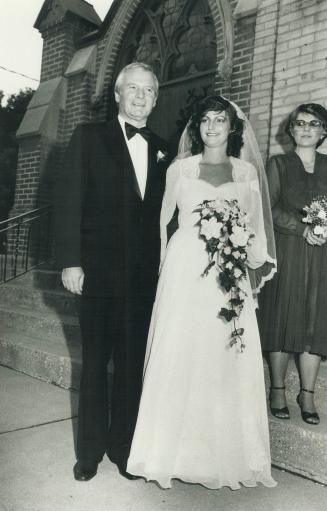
{"x": 308, "y": 417}
{"x": 279, "y": 413}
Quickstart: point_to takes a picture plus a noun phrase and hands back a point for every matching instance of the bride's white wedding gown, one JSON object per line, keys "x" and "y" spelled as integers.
{"x": 202, "y": 416}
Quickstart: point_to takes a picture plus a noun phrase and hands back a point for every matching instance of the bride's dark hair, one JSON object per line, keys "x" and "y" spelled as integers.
{"x": 216, "y": 104}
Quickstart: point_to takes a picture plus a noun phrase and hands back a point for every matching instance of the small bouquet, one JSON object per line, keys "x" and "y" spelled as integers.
{"x": 225, "y": 229}
{"x": 316, "y": 214}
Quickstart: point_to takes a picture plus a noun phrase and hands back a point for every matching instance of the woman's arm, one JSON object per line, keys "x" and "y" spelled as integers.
{"x": 169, "y": 203}
{"x": 284, "y": 221}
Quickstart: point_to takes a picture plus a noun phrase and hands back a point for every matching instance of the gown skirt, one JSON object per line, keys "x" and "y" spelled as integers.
{"x": 202, "y": 416}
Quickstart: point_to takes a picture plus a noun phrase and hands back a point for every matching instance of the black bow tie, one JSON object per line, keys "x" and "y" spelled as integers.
{"x": 132, "y": 130}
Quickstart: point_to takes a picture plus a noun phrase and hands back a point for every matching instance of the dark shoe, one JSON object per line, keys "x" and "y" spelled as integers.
{"x": 279, "y": 413}
{"x": 308, "y": 417}
{"x": 84, "y": 472}
{"x": 127, "y": 475}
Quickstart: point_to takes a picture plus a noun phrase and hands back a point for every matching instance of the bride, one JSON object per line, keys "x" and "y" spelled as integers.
{"x": 202, "y": 416}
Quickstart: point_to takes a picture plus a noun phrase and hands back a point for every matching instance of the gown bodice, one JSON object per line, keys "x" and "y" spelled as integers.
{"x": 193, "y": 191}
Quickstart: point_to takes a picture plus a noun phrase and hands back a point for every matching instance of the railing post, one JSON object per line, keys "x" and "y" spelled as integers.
{"x": 28, "y": 244}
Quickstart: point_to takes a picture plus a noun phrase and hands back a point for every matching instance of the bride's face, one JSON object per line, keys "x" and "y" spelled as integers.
{"x": 215, "y": 128}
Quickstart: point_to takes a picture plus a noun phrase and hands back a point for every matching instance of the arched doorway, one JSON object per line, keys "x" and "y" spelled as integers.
{"x": 177, "y": 37}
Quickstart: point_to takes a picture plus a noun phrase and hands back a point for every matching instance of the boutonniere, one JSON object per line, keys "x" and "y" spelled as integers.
{"x": 161, "y": 156}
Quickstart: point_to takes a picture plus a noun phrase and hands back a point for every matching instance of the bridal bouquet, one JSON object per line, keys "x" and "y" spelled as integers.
{"x": 225, "y": 229}
{"x": 316, "y": 214}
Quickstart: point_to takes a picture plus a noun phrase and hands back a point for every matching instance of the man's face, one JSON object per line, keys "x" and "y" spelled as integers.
{"x": 136, "y": 96}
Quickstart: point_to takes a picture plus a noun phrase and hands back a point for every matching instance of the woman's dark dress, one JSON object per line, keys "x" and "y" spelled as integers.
{"x": 293, "y": 305}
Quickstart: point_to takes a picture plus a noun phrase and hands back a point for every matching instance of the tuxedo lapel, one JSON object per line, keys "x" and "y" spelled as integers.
{"x": 130, "y": 171}
{"x": 152, "y": 161}
{"x": 122, "y": 156}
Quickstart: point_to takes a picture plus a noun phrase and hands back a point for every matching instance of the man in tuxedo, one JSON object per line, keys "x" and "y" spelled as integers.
{"x": 108, "y": 243}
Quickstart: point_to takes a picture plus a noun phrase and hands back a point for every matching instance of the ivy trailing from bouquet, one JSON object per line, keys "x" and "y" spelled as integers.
{"x": 225, "y": 230}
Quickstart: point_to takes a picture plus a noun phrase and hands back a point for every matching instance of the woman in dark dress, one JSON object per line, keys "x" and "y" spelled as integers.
{"x": 292, "y": 312}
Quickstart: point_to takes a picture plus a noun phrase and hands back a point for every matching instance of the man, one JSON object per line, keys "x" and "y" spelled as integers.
{"x": 107, "y": 226}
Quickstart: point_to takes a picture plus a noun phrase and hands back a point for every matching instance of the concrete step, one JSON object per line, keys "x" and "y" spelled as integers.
{"x": 39, "y": 335}
{"x": 300, "y": 447}
{"x": 296, "y": 445}
{"x": 41, "y": 279}
{"x": 60, "y": 329}
{"x": 47, "y": 361}
{"x": 59, "y": 301}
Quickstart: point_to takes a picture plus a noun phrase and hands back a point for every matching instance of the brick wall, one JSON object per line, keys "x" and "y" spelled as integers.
{"x": 39, "y": 158}
{"x": 263, "y": 71}
{"x": 243, "y": 62}
{"x": 78, "y": 105}
{"x": 289, "y": 68}
{"x": 301, "y": 63}
{"x": 59, "y": 45}
{"x": 28, "y": 169}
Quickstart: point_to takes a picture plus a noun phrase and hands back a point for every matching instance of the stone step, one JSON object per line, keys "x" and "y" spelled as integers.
{"x": 39, "y": 335}
{"x": 54, "y": 363}
{"x": 59, "y": 301}
{"x": 41, "y": 279}
{"x": 295, "y": 445}
{"x": 45, "y": 360}
{"x": 299, "y": 447}
{"x": 60, "y": 329}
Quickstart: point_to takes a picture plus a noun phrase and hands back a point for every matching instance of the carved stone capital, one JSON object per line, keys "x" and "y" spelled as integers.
{"x": 225, "y": 68}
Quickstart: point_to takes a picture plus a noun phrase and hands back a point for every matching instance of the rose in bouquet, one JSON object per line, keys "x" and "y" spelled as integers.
{"x": 225, "y": 230}
{"x": 316, "y": 215}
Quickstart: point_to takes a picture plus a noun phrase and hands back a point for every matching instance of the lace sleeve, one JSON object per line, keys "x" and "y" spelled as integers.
{"x": 169, "y": 203}
{"x": 257, "y": 252}
{"x": 284, "y": 221}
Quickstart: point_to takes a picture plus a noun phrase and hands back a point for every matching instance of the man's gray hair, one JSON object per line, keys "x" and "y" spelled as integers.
{"x": 136, "y": 65}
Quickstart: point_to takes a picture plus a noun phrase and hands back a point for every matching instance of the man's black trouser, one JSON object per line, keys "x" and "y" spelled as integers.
{"x": 111, "y": 327}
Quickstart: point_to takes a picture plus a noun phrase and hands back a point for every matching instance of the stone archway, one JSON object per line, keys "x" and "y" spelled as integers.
{"x": 178, "y": 40}
{"x": 220, "y": 9}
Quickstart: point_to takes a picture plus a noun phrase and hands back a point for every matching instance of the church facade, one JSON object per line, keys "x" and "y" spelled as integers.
{"x": 266, "y": 55}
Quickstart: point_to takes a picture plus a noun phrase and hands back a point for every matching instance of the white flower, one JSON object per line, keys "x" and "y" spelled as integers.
{"x": 160, "y": 156}
{"x": 227, "y": 250}
{"x": 205, "y": 211}
{"x": 322, "y": 214}
{"x": 237, "y": 254}
{"x": 237, "y": 272}
{"x": 240, "y": 237}
{"x": 229, "y": 266}
{"x": 318, "y": 229}
{"x": 211, "y": 228}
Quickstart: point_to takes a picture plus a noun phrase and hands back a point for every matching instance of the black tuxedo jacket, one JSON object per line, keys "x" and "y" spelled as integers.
{"x": 102, "y": 222}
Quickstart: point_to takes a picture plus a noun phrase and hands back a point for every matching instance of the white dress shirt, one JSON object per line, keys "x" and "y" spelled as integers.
{"x": 138, "y": 150}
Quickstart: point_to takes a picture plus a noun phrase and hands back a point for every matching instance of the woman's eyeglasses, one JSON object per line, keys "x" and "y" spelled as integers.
{"x": 313, "y": 125}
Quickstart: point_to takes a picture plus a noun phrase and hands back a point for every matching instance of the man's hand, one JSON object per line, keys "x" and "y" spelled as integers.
{"x": 73, "y": 279}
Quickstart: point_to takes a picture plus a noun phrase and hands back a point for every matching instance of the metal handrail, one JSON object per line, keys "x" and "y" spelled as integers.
{"x": 22, "y": 215}
{"x": 25, "y": 242}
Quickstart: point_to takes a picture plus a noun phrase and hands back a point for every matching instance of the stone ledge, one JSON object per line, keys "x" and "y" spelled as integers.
{"x": 299, "y": 447}
{"x": 42, "y": 114}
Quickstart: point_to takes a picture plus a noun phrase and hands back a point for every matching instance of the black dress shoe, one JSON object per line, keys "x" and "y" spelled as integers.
{"x": 127, "y": 475}
{"x": 84, "y": 472}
